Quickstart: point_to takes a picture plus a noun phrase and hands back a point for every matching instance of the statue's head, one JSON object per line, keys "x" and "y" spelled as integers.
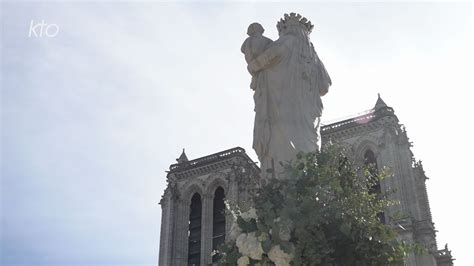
{"x": 294, "y": 22}
{"x": 255, "y": 29}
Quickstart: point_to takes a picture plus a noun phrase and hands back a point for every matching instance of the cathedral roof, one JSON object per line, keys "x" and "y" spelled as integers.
{"x": 379, "y": 111}
{"x": 380, "y": 103}
{"x": 209, "y": 163}
{"x": 182, "y": 158}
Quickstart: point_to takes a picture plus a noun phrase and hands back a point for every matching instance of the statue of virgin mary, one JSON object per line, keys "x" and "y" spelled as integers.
{"x": 291, "y": 80}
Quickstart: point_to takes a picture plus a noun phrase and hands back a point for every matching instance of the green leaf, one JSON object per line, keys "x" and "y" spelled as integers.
{"x": 232, "y": 257}
{"x": 276, "y": 234}
{"x": 286, "y": 247}
{"x": 247, "y": 227}
{"x": 241, "y": 222}
{"x": 300, "y": 166}
{"x": 346, "y": 229}
{"x": 267, "y": 206}
{"x": 299, "y": 155}
{"x": 262, "y": 227}
{"x": 266, "y": 245}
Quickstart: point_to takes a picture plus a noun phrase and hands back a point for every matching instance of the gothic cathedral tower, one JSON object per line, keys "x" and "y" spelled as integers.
{"x": 193, "y": 219}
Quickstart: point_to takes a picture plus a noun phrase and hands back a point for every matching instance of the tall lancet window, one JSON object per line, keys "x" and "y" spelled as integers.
{"x": 218, "y": 221}
{"x": 194, "y": 233}
{"x": 371, "y": 161}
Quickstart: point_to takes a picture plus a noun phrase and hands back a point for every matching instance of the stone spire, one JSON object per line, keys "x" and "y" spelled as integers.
{"x": 182, "y": 158}
{"x": 380, "y": 103}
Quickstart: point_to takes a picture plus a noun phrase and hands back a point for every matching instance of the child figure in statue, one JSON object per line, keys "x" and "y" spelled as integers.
{"x": 253, "y": 46}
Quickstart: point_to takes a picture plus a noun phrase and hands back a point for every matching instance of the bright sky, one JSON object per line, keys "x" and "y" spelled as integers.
{"x": 92, "y": 117}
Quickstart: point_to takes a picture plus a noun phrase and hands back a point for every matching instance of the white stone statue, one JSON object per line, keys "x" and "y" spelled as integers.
{"x": 289, "y": 80}
{"x": 253, "y": 46}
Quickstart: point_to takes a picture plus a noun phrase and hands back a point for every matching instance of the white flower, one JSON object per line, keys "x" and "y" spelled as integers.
{"x": 249, "y": 245}
{"x": 243, "y": 261}
{"x": 279, "y": 257}
{"x": 250, "y": 214}
{"x": 235, "y": 231}
{"x": 240, "y": 241}
{"x": 231, "y": 208}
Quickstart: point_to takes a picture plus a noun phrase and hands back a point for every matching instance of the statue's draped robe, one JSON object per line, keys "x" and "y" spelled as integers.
{"x": 287, "y": 100}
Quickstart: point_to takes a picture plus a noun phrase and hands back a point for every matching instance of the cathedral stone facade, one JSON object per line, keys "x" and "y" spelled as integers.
{"x": 192, "y": 209}
{"x": 193, "y": 220}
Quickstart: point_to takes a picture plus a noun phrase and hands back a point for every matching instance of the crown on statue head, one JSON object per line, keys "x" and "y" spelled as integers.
{"x": 294, "y": 19}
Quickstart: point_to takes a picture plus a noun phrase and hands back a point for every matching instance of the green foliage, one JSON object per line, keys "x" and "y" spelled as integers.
{"x": 247, "y": 227}
{"x": 231, "y": 254}
{"x": 327, "y": 206}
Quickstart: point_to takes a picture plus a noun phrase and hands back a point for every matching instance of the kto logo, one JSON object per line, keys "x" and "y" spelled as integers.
{"x": 42, "y": 29}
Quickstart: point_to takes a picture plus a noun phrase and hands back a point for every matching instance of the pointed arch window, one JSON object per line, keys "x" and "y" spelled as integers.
{"x": 194, "y": 233}
{"x": 370, "y": 160}
{"x": 218, "y": 221}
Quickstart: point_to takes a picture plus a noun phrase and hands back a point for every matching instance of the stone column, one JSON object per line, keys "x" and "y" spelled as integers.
{"x": 411, "y": 258}
{"x": 206, "y": 229}
{"x": 232, "y": 196}
{"x": 166, "y": 229}
{"x": 390, "y": 159}
{"x": 181, "y": 228}
{"x": 407, "y": 175}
